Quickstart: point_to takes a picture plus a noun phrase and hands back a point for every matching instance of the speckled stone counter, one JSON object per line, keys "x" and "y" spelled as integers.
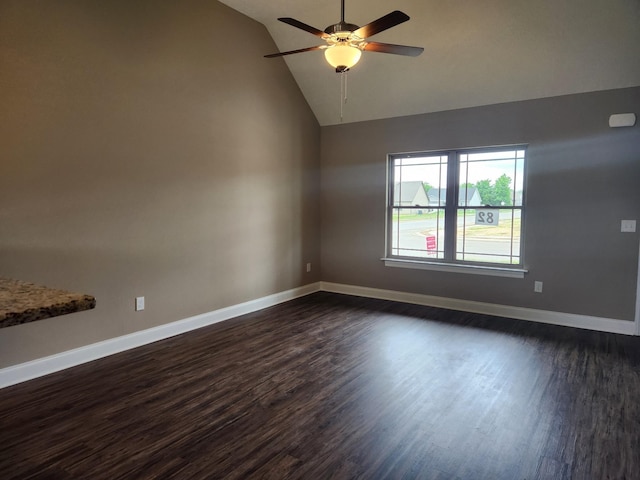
{"x": 23, "y": 302}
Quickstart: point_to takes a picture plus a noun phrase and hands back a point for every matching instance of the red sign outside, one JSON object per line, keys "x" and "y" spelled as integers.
{"x": 431, "y": 243}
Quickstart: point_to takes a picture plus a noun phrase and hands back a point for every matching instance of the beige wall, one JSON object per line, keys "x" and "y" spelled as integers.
{"x": 147, "y": 148}
{"x": 583, "y": 179}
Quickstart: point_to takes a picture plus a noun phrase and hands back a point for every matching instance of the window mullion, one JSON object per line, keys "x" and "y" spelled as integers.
{"x": 450, "y": 224}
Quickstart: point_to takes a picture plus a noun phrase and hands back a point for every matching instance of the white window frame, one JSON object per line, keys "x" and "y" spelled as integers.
{"x": 449, "y": 263}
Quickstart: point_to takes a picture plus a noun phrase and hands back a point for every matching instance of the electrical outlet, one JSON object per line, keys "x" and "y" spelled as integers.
{"x": 628, "y": 226}
{"x": 139, "y": 303}
{"x": 537, "y": 286}
{"x": 308, "y": 267}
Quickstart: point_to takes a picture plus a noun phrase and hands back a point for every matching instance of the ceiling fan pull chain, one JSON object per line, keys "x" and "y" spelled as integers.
{"x": 341, "y": 95}
{"x": 346, "y": 73}
{"x": 343, "y": 91}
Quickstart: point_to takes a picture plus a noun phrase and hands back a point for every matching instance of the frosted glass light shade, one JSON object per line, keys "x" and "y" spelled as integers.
{"x": 342, "y": 56}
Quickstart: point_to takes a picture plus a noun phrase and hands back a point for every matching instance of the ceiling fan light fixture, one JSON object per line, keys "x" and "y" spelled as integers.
{"x": 342, "y": 57}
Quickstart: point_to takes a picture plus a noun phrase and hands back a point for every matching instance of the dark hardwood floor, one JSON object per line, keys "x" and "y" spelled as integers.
{"x": 332, "y": 386}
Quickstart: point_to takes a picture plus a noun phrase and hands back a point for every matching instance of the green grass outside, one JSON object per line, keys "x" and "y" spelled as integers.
{"x": 502, "y": 230}
{"x": 406, "y": 217}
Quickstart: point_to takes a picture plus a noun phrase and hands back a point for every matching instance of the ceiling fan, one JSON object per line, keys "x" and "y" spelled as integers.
{"x": 346, "y": 41}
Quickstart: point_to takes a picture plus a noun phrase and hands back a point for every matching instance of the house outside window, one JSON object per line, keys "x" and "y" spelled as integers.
{"x": 461, "y": 207}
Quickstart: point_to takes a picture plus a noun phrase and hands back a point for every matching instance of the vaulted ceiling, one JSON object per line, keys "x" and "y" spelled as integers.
{"x": 476, "y": 52}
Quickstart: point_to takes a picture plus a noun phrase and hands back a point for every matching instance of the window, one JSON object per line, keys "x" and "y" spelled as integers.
{"x": 460, "y": 207}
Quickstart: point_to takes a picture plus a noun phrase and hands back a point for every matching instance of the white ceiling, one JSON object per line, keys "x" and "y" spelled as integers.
{"x": 476, "y": 52}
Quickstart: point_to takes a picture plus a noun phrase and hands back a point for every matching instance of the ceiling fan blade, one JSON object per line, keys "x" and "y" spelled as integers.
{"x": 395, "y": 49}
{"x": 291, "y": 52}
{"x": 303, "y": 26}
{"x": 389, "y": 20}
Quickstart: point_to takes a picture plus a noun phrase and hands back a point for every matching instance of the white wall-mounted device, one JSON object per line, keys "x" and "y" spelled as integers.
{"x": 622, "y": 120}
{"x": 139, "y": 303}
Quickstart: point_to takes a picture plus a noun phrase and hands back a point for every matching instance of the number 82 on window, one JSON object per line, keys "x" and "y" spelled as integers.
{"x": 487, "y": 216}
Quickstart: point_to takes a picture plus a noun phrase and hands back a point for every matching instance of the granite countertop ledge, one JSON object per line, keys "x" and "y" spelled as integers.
{"x": 24, "y": 302}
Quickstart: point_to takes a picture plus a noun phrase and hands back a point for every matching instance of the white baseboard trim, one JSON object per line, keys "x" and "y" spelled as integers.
{"x": 71, "y": 358}
{"x": 609, "y": 325}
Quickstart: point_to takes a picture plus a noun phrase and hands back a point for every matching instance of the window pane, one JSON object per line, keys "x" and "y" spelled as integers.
{"x": 420, "y": 181}
{"x": 418, "y": 233}
{"x": 491, "y": 178}
{"x": 518, "y": 184}
{"x": 497, "y": 241}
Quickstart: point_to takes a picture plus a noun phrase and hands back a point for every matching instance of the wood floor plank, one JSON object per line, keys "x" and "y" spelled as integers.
{"x": 333, "y": 386}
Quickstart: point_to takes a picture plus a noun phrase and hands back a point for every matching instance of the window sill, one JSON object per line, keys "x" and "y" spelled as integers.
{"x": 455, "y": 268}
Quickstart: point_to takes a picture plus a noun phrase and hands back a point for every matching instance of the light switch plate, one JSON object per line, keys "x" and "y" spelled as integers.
{"x": 139, "y": 303}
{"x": 628, "y": 226}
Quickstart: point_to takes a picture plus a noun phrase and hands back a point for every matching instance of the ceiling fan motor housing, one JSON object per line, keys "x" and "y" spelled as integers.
{"x": 341, "y": 27}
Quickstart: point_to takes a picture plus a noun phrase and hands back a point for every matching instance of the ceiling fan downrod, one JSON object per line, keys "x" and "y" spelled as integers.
{"x": 341, "y": 26}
